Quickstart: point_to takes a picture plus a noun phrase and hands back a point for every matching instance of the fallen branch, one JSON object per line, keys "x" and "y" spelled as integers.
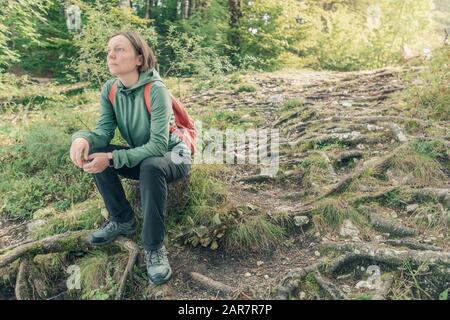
{"x": 133, "y": 249}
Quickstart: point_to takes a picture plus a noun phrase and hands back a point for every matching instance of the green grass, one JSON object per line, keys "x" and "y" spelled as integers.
{"x": 253, "y": 234}
{"x": 37, "y": 172}
{"x": 331, "y": 213}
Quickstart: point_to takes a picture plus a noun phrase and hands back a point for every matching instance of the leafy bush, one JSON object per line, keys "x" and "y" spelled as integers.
{"x": 100, "y": 22}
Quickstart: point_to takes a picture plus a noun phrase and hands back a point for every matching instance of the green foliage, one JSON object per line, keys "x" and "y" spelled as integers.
{"x": 429, "y": 97}
{"x": 189, "y": 57}
{"x": 345, "y": 37}
{"x": 267, "y": 28}
{"x": 100, "y": 22}
{"x": 18, "y": 23}
{"x": 38, "y": 172}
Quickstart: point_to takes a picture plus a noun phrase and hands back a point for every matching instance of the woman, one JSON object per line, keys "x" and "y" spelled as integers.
{"x": 154, "y": 156}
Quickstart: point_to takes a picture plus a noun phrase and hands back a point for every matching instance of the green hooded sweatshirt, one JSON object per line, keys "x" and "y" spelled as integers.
{"x": 147, "y": 134}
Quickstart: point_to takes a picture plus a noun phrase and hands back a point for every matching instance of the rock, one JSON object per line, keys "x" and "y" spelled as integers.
{"x": 247, "y": 274}
{"x": 35, "y": 224}
{"x": 346, "y": 104}
{"x": 302, "y": 295}
{"x": 300, "y": 221}
{"x": 276, "y": 99}
{"x": 361, "y": 146}
{"x": 411, "y": 208}
{"x": 266, "y": 276}
{"x": 317, "y": 253}
{"x": 259, "y": 263}
{"x": 348, "y": 229}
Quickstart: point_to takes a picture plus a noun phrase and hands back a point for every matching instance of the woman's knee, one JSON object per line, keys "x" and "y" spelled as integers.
{"x": 153, "y": 164}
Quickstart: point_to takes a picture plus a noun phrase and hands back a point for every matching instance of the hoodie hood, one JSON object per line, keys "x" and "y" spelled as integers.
{"x": 144, "y": 78}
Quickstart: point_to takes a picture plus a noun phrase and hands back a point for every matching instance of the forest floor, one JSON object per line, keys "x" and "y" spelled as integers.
{"x": 362, "y": 184}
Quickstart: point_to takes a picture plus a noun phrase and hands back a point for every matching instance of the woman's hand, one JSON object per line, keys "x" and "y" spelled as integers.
{"x": 98, "y": 163}
{"x": 79, "y": 151}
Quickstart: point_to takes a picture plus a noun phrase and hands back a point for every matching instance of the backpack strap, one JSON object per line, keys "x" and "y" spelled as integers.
{"x": 112, "y": 93}
{"x": 147, "y": 89}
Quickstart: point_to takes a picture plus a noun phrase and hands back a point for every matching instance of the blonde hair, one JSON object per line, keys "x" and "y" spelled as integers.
{"x": 141, "y": 48}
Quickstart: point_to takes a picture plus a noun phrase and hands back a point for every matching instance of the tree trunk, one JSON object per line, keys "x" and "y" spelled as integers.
{"x": 235, "y": 7}
{"x": 148, "y": 8}
{"x": 192, "y": 6}
{"x": 185, "y": 9}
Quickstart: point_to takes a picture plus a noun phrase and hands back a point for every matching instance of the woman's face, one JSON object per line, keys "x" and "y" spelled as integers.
{"x": 122, "y": 58}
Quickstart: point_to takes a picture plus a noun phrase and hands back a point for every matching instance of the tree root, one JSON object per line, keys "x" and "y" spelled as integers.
{"x": 382, "y": 254}
{"x": 385, "y": 287}
{"x": 410, "y": 244}
{"x": 375, "y": 164}
{"x": 22, "y": 288}
{"x": 367, "y": 119}
{"x": 390, "y": 227}
{"x": 73, "y": 240}
{"x": 290, "y": 283}
{"x": 217, "y": 286}
{"x": 330, "y": 288}
{"x": 257, "y": 178}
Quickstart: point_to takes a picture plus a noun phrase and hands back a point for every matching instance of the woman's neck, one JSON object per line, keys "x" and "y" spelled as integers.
{"x": 130, "y": 79}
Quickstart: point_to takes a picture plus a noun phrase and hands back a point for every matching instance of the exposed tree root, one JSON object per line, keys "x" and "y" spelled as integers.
{"x": 257, "y": 178}
{"x": 74, "y": 240}
{"x": 22, "y": 288}
{"x": 366, "y": 119}
{"x": 289, "y": 285}
{"x": 385, "y": 287}
{"x": 395, "y": 257}
{"x": 410, "y": 244}
{"x": 390, "y": 227}
{"x": 217, "y": 286}
{"x": 329, "y": 287}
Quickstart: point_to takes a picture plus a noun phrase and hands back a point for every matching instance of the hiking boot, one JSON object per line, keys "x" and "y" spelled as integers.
{"x": 111, "y": 230}
{"x": 158, "y": 267}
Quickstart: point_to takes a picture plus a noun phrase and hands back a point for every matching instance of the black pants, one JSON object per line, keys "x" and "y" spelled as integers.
{"x": 153, "y": 174}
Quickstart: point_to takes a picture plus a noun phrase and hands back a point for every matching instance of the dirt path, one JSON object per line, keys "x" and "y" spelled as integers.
{"x": 343, "y": 124}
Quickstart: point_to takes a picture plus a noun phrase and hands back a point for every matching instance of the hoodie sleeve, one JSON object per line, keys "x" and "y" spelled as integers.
{"x": 157, "y": 146}
{"x": 106, "y": 124}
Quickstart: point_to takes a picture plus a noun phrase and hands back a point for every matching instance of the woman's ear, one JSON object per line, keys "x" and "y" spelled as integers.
{"x": 140, "y": 60}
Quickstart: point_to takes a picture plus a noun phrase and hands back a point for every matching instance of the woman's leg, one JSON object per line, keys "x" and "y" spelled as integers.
{"x": 110, "y": 187}
{"x": 155, "y": 173}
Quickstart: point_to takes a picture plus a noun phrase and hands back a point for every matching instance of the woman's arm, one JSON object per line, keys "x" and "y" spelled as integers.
{"x": 106, "y": 124}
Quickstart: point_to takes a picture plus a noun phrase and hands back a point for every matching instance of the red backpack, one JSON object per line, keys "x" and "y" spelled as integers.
{"x": 185, "y": 128}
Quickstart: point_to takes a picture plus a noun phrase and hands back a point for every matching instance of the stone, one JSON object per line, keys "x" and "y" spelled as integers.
{"x": 411, "y": 208}
{"x": 300, "y": 221}
{"x": 348, "y": 229}
{"x": 259, "y": 263}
